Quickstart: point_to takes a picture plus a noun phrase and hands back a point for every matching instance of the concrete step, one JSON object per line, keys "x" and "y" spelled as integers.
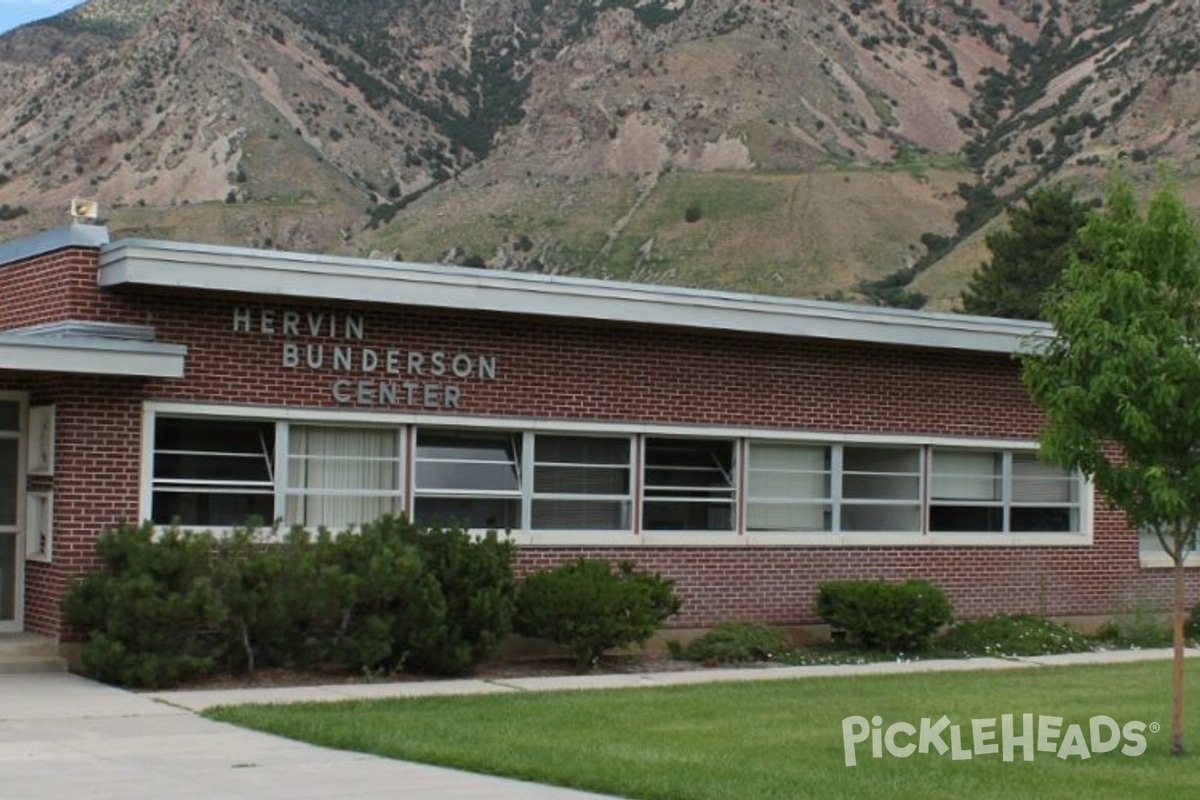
{"x": 25, "y": 653}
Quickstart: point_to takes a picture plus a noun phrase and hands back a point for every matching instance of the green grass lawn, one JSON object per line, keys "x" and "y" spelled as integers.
{"x": 774, "y": 739}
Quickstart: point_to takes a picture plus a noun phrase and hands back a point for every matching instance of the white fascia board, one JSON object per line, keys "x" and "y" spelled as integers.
{"x": 269, "y": 274}
{"x": 81, "y": 356}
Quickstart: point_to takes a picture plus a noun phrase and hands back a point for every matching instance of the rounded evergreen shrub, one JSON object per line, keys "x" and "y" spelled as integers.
{"x": 153, "y": 612}
{"x": 891, "y": 616}
{"x": 587, "y": 607}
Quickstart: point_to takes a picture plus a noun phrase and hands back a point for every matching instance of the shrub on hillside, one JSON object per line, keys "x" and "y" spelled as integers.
{"x": 587, "y": 607}
{"x": 892, "y": 616}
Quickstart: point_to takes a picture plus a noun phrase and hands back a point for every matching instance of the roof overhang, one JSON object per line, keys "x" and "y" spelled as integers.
{"x": 91, "y": 349}
{"x": 276, "y": 276}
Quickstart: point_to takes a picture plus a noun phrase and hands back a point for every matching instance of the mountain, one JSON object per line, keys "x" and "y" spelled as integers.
{"x": 809, "y": 148}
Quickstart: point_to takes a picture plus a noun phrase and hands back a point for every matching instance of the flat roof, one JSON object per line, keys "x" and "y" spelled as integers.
{"x": 276, "y": 275}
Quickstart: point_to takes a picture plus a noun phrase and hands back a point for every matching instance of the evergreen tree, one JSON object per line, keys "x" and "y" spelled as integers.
{"x": 1028, "y": 256}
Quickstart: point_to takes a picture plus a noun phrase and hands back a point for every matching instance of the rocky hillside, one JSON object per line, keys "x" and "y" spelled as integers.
{"x": 813, "y": 148}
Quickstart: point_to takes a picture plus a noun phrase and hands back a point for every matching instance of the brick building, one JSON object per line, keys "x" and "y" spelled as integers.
{"x": 749, "y": 447}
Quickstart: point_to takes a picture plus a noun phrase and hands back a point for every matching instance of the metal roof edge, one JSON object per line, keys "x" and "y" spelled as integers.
{"x": 82, "y": 355}
{"x": 339, "y": 278}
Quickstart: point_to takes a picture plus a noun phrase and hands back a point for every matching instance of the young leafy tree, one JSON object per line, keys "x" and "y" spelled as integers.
{"x": 1028, "y": 256}
{"x": 1120, "y": 381}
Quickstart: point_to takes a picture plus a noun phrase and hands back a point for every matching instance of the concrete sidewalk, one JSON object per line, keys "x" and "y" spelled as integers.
{"x": 62, "y": 736}
{"x": 209, "y": 698}
{"x": 65, "y": 736}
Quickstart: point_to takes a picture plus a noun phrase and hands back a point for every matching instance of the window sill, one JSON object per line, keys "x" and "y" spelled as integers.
{"x": 1163, "y": 561}
{"x": 784, "y": 539}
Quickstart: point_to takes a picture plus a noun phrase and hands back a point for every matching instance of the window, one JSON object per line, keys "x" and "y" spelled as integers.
{"x": 1153, "y": 554}
{"x": 597, "y": 485}
{"x": 471, "y": 478}
{"x": 212, "y": 471}
{"x": 881, "y": 489}
{"x": 1044, "y": 497}
{"x": 1001, "y": 492}
{"x": 689, "y": 485}
{"x": 581, "y": 483}
{"x": 788, "y": 488}
{"x": 340, "y": 477}
{"x": 966, "y": 491}
{"x": 813, "y": 488}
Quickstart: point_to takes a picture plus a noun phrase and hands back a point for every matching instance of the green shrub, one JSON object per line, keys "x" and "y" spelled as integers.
{"x": 1138, "y": 623}
{"x": 163, "y": 609}
{"x": 1192, "y": 626}
{"x": 153, "y": 612}
{"x": 735, "y": 643}
{"x": 1125, "y": 632}
{"x": 398, "y": 608}
{"x": 475, "y": 577}
{"x": 587, "y": 607}
{"x": 891, "y": 616}
{"x": 452, "y": 612}
{"x": 1012, "y": 635}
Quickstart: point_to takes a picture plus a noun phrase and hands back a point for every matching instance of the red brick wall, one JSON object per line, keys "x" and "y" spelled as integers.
{"x": 95, "y": 482}
{"x": 583, "y": 371}
{"x": 778, "y": 584}
{"x": 51, "y": 288}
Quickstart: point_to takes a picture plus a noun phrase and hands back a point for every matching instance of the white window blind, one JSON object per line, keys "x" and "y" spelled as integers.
{"x": 340, "y": 477}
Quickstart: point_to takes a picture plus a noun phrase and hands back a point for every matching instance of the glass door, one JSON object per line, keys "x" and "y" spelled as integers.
{"x": 11, "y": 555}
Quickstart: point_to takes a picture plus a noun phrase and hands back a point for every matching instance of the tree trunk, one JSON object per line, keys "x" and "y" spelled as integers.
{"x": 1177, "y": 629}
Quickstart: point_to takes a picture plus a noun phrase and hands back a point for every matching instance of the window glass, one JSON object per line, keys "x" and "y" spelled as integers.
{"x": 483, "y": 513}
{"x": 212, "y": 472}
{"x": 581, "y": 483}
{"x": 10, "y": 415}
{"x": 881, "y": 489}
{"x": 1037, "y": 482}
{"x": 581, "y": 515}
{"x": 880, "y": 473}
{"x": 689, "y": 485}
{"x": 966, "y": 491}
{"x": 470, "y": 478}
{"x": 468, "y": 461}
{"x": 966, "y": 476}
{"x": 9, "y": 482}
{"x": 788, "y": 488}
{"x": 1045, "y": 498}
{"x": 339, "y": 477}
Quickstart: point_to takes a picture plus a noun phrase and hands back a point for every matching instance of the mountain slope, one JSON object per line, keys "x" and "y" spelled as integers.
{"x": 790, "y": 147}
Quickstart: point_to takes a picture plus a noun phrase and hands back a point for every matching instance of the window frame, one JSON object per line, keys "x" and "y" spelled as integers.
{"x": 285, "y": 491}
{"x": 742, "y": 442}
{"x": 517, "y": 462}
{"x": 733, "y": 490}
{"x": 153, "y": 484}
{"x": 532, "y": 495}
